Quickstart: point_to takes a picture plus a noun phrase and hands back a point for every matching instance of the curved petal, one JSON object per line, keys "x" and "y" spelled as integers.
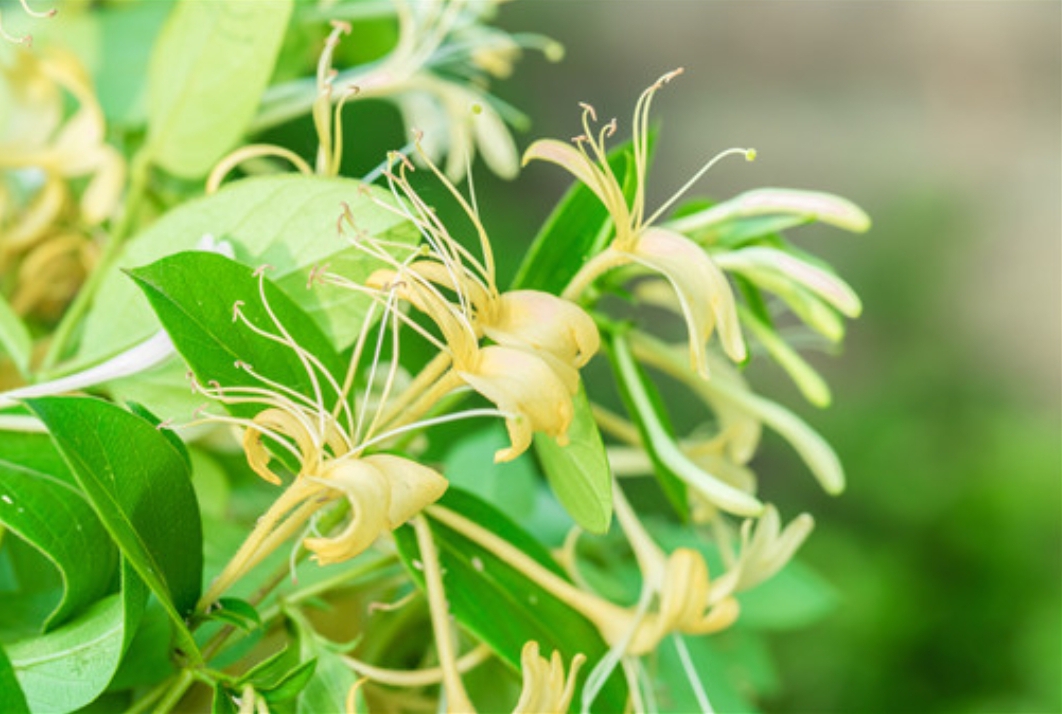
{"x": 702, "y": 290}
{"x": 412, "y": 486}
{"x": 369, "y": 495}
{"x": 544, "y": 323}
{"x": 546, "y": 690}
{"x": 523, "y": 386}
{"x": 286, "y": 424}
{"x": 568, "y": 157}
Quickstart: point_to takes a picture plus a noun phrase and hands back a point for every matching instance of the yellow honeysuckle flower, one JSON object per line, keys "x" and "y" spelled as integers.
{"x": 765, "y": 549}
{"x": 37, "y": 137}
{"x": 701, "y": 287}
{"x": 546, "y": 690}
{"x": 541, "y": 340}
{"x": 329, "y": 443}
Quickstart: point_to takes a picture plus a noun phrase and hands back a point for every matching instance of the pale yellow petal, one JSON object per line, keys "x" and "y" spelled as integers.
{"x": 568, "y": 157}
{"x": 523, "y": 386}
{"x": 369, "y": 494}
{"x": 703, "y": 291}
{"x": 546, "y": 323}
{"x": 546, "y": 689}
{"x": 412, "y": 486}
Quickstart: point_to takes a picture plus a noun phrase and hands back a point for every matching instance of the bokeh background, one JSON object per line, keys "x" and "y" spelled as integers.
{"x": 943, "y": 121}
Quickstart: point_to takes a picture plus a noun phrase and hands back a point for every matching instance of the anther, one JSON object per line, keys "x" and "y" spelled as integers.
{"x": 588, "y": 109}
{"x": 261, "y": 270}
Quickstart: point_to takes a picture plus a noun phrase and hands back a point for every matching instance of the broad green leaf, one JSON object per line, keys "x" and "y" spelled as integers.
{"x": 720, "y": 665}
{"x": 207, "y": 73}
{"x": 15, "y": 338}
{"x": 291, "y": 684}
{"x": 579, "y": 473}
{"x": 148, "y": 658}
{"x": 100, "y": 37}
{"x": 194, "y": 294}
{"x": 332, "y": 678}
{"x": 41, "y": 503}
{"x": 139, "y": 486}
{"x": 287, "y": 222}
{"x": 672, "y": 467}
{"x": 508, "y": 486}
{"x": 12, "y": 700}
{"x": 68, "y": 668}
{"x": 236, "y": 612}
{"x": 577, "y": 229}
{"x": 501, "y": 606}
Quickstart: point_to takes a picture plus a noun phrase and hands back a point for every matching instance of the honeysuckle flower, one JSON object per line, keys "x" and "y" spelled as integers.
{"x": 46, "y": 238}
{"x": 546, "y": 689}
{"x": 764, "y": 550}
{"x": 437, "y": 75}
{"x": 730, "y": 397}
{"x": 35, "y": 134}
{"x": 705, "y": 296}
{"x": 797, "y": 205}
{"x": 330, "y": 446}
{"x": 540, "y": 340}
{"x": 327, "y": 122}
{"x": 678, "y": 583}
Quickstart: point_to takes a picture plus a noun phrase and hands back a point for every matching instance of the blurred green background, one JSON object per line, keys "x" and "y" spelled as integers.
{"x": 943, "y": 121}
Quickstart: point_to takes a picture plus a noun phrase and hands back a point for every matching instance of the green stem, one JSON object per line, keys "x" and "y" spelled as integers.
{"x": 176, "y": 692}
{"x": 138, "y": 180}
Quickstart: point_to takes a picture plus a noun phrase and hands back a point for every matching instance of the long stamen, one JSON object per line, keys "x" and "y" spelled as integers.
{"x": 392, "y": 372}
{"x": 749, "y": 154}
{"x": 244, "y": 423}
{"x": 381, "y": 335}
{"x": 352, "y": 366}
{"x": 472, "y": 211}
{"x": 425, "y": 423}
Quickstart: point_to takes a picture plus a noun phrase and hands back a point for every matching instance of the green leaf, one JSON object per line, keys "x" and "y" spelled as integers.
{"x": 196, "y": 110}
{"x": 508, "y": 486}
{"x": 501, "y": 606}
{"x": 139, "y": 486}
{"x": 577, "y": 229}
{"x": 68, "y": 668}
{"x": 332, "y": 679}
{"x": 291, "y": 684}
{"x": 579, "y": 473}
{"x": 238, "y": 613}
{"x": 41, "y": 503}
{"x": 287, "y": 222}
{"x": 15, "y": 338}
{"x": 194, "y": 293}
{"x": 12, "y": 700}
{"x": 101, "y": 39}
{"x": 672, "y": 467}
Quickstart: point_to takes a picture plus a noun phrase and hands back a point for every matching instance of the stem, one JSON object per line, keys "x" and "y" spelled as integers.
{"x": 177, "y": 690}
{"x": 424, "y": 402}
{"x": 428, "y": 376}
{"x": 592, "y": 270}
{"x": 418, "y": 677}
{"x": 456, "y": 697}
{"x": 248, "y": 554}
{"x": 138, "y": 179}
